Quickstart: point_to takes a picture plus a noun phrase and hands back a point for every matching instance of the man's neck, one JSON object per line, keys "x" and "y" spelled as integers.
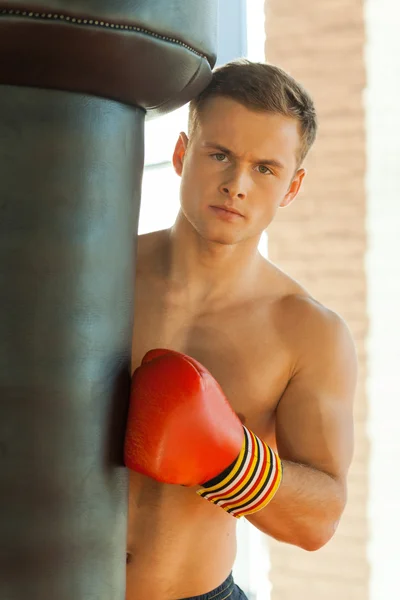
{"x": 207, "y": 272}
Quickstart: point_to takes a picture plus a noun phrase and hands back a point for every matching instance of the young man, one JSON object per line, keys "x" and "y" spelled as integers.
{"x": 285, "y": 363}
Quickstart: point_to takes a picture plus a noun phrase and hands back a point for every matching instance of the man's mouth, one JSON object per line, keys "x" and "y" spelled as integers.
{"x": 227, "y": 209}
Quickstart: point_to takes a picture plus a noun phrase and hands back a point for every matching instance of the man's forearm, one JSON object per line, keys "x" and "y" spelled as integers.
{"x": 306, "y": 509}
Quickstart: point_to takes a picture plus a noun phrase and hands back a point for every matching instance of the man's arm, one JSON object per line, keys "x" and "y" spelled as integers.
{"x": 314, "y": 435}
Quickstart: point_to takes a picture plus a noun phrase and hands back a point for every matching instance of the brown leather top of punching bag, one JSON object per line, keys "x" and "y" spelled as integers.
{"x": 133, "y": 51}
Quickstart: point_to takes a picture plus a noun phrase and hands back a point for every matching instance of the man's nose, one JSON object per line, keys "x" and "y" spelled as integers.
{"x": 236, "y": 186}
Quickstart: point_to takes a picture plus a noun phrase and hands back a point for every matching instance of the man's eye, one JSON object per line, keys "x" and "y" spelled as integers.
{"x": 263, "y": 169}
{"x": 219, "y": 156}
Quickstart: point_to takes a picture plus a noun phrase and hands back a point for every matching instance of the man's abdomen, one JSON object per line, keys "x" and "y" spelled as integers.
{"x": 179, "y": 545}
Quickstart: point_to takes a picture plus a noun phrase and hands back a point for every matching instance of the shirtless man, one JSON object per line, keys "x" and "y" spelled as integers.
{"x": 286, "y": 363}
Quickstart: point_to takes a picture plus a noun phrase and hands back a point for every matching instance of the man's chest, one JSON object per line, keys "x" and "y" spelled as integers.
{"x": 240, "y": 349}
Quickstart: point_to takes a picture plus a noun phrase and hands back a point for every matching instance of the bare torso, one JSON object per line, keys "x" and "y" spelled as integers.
{"x": 179, "y": 545}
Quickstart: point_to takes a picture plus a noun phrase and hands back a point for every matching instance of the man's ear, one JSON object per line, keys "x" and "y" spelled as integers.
{"x": 294, "y": 188}
{"x": 179, "y": 153}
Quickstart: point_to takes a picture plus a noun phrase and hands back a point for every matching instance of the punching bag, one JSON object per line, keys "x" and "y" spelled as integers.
{"x": 77, "y": 78}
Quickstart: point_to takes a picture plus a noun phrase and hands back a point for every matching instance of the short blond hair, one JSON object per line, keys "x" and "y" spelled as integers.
{"x": 261, "y": 87}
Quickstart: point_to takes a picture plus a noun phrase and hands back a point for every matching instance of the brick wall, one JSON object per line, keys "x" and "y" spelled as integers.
{"x": 321, "y": 241}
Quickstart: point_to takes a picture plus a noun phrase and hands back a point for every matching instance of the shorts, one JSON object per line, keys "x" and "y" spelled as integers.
{"x": 227, "y": 590}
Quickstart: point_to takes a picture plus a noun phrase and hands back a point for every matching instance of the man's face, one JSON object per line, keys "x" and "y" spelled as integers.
{"x": 238, "y": 167}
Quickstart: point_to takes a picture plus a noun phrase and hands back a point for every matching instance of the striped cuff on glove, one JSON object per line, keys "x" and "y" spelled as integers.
{"x": 250, "y": 483}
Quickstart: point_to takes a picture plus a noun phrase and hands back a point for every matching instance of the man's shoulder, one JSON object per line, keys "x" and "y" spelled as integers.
{"x": 321, "y": 347}
{"x": 309, "y": 316}
{"x": 149, "y": 249}
{"x": 305, "y": 318}
{"x": 149, "y": 241}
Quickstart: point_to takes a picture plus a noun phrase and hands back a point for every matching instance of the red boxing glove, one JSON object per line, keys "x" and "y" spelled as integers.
{"x": 182, "y": 430}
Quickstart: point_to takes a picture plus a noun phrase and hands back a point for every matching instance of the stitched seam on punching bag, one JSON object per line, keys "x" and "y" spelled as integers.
{"x": 6, "y": 12}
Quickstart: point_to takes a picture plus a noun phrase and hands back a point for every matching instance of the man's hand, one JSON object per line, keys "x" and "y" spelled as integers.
{"x": 182, "y": 430}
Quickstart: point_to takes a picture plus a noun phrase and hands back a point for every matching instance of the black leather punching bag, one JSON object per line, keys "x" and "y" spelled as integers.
{"x": 76, "y": 80}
